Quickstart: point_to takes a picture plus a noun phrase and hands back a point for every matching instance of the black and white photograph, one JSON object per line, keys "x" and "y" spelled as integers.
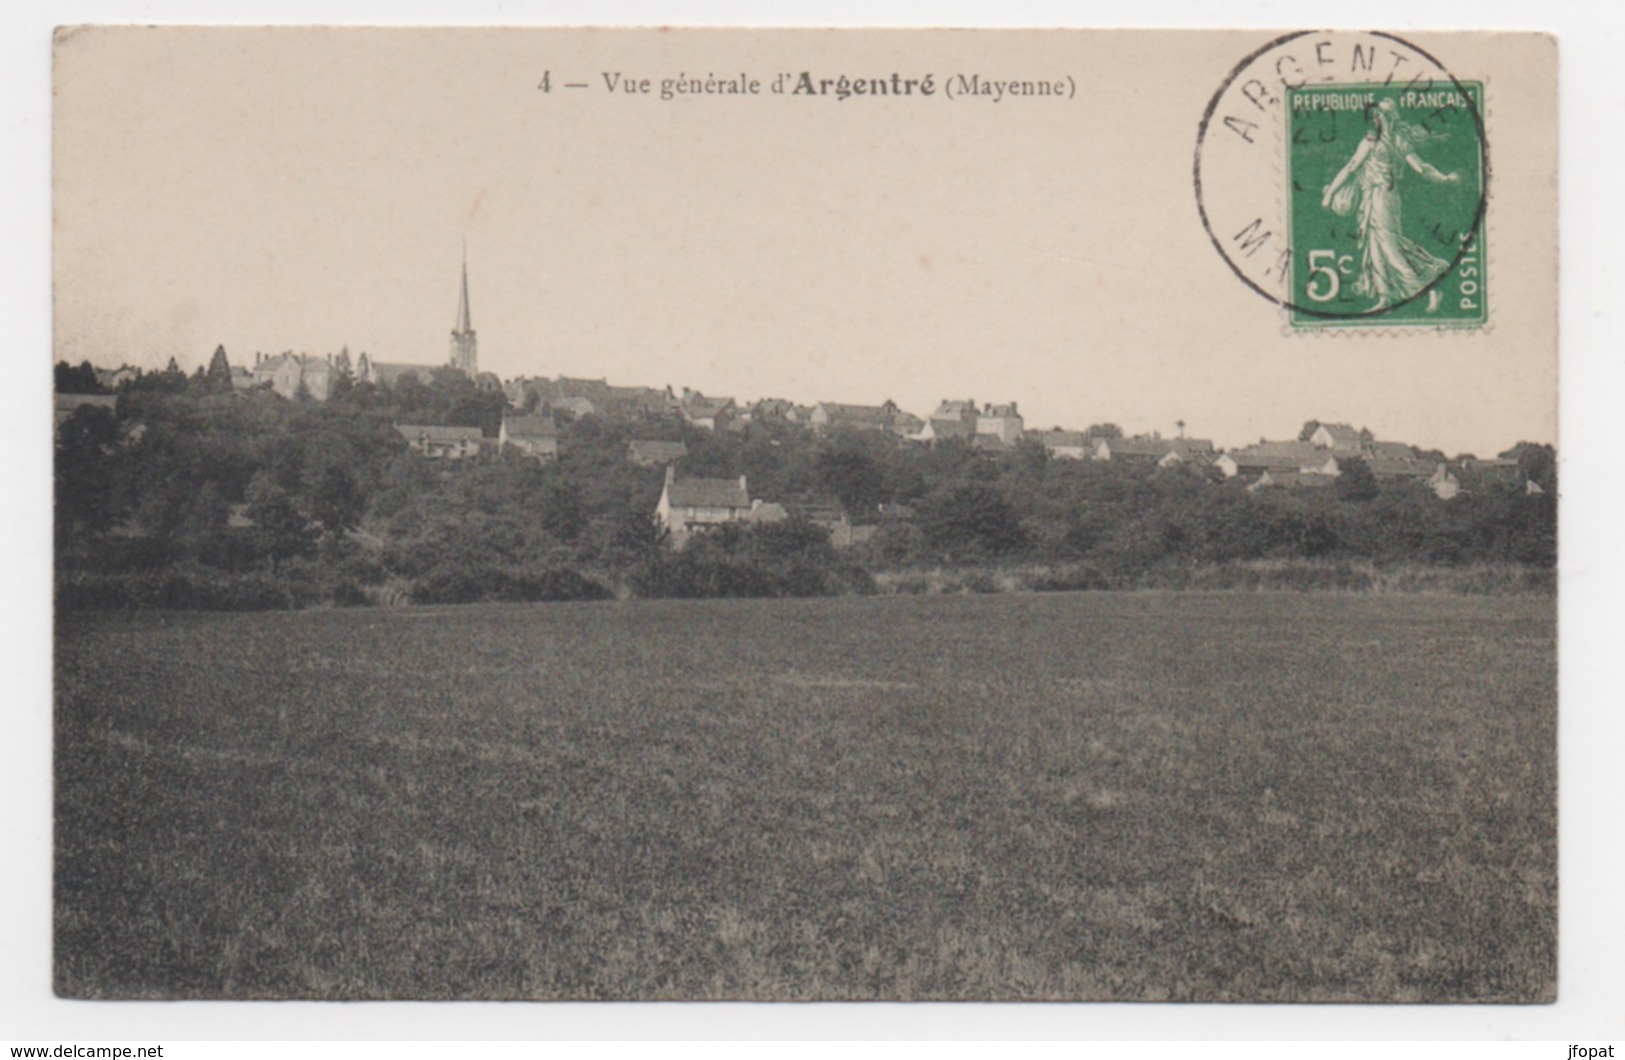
{"x": 804, "y": 515}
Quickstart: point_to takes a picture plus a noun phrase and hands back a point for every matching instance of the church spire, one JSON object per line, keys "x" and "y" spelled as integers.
{"x": 464, "y": 323}
{"x": 464, "y": 349}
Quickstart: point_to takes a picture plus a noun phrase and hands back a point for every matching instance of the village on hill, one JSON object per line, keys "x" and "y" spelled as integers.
{"x": 536, "y": 408}
{"x": 291, "y": 479}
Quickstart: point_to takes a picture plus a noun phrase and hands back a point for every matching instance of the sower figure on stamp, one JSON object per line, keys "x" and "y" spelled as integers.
{"x": 1392, "y": 267}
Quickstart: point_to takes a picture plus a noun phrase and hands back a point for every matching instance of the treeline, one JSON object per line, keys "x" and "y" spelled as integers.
{"x": 190, "y": 495}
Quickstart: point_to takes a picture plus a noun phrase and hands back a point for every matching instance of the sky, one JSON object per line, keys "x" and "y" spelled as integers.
{"x": 309, "y": 190}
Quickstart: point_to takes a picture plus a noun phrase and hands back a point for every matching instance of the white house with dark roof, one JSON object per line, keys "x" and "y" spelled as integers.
{"x": 697, "y": 505}
{"x": 1253, "y": 460}
{"x": 1063, "y": 445}
{"x": 1338, "y": 437}
{"x": 533, "y": 436}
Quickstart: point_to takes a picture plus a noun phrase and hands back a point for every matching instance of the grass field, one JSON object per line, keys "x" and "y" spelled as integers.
{"x": 1069, "y": 796}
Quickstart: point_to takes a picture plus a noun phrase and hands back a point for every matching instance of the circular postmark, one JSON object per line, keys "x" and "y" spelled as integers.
{"x": 1344, "y": 176}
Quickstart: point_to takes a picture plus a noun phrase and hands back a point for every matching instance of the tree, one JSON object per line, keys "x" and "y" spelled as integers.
{"x": 336, "y": 498}
{"x": 971, "y": 521}
{"x": 1104, "y": 430}
{"x": 1356, "y": 481}
{"x": 846, "y": 471}
{"x": 1536, "y": 463}
{"x": 77, "y": 380}
{"x": 1307, "y": 431}
{"x": 84, "y": 472}
{"x": 218, "y": 376}
{"x": 281, "y": 529}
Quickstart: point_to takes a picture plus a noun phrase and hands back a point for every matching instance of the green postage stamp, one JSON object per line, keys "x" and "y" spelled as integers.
{"x": 1386, "y": 205}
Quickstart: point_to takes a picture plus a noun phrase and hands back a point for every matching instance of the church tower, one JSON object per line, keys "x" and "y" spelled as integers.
{"x": 464, "y": 349}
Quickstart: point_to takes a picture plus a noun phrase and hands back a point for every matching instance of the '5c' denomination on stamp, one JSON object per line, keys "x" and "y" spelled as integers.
{"x": 1344, "y": 176}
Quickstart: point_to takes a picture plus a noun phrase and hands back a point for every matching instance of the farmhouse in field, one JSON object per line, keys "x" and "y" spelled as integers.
{"x": 697, "y": 505}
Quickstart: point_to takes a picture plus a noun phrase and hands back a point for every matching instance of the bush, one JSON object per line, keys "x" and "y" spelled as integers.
{"x": 463, "y": 583}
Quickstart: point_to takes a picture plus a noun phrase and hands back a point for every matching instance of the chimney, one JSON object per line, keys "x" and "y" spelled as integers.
{"x": 671, "y": 475}
{"x": 742, "y": 485}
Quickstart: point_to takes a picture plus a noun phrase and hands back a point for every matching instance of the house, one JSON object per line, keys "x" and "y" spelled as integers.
{"x": 1162, "y": 452}
{"x": 1497, "y": 473}
{"x": 776, "y": 409}
{"x": 1063, "y": 445}
{"x": 1444, "y": 485}
{"x": 1253, "y": 460}
{"x": 286, "y": 373}
{"x": 533, "y": 436}
{"x": 1410, "y": 468}
{"x": 594, "y": 390}
{"x": 703, "y": 412}
{"x": 442, "y": 443}
{"x": 65, "y": 405}
{"x": 1338, "y": 437}
{"x": 831, "y": 517}
{"x": 387, "y": 373}
{"x": 906, "y": 424}
{"x": 113, "y": 378}
{"x": 516, "y": 390}
{"x": 1000, "y": 421}
{"x": 633, "y": 401}
{"x": 650, "y": 452}
{"x": 576, "y": 406}
{"x": 699, "y": 505}
{"x": 829, "y": 415}
{"x": 952, "y": 419}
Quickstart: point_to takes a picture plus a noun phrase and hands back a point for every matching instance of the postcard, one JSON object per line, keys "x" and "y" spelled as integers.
{"x": 805, "y": 515}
